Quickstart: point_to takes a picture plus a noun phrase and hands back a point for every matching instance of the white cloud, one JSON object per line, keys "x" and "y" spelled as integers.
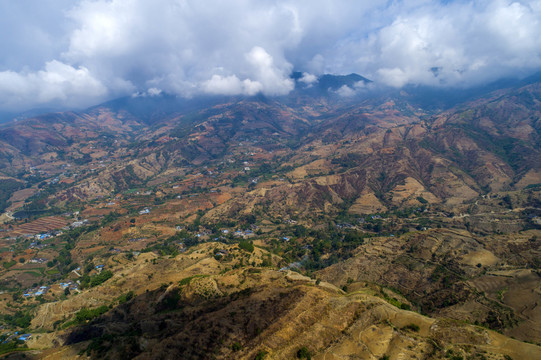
{"x": 458, "y": 44}
{"x": 154, "y": 92}
{"x": 345, "y": 91}
{"x": 229, "y": 85}
{"x": 75, "y": 53}
{"x": 308, "y": 79}
{"x": 267, "y": 78}
{"x": 58, "y": 83}
{"x": 149, "y": 93}
{"x": 177, "y": 46}
{"x": 274, "y": 80}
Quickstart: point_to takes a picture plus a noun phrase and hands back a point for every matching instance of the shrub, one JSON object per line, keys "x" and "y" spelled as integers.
{"x": 412, "y": 327}
{"x": 303, "y": 353}
{"x": 261, "y": 355}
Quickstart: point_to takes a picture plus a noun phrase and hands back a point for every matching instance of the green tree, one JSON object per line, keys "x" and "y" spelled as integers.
{"x": 303, "y": 353}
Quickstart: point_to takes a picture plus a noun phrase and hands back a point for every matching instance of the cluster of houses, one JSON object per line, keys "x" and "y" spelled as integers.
{"x": 43, "y": 236}
{"x": 243, "y": 233}
{"x": 17, "y": 336}
{"x": 42, "y": 290}
{"x": 38, "y": 291}
{"x": 38, "y": 261}
{"x": 345, "y": 226}
{"x": 69, "y": 285}
{"x": 24, "y": 337}
{"x": 79, "y": 223}
{"x": 238, "y": 233}
{"x": 36, "y": 245}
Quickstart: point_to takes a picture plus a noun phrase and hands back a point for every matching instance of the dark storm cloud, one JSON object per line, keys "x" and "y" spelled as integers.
{"x": 75, "y": 54}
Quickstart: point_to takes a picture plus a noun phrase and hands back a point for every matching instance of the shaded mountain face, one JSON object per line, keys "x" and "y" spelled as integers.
{"x": 188, "y": 222}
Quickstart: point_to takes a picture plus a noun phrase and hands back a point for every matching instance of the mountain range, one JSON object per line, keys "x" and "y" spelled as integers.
{"x": 340, "y": 221}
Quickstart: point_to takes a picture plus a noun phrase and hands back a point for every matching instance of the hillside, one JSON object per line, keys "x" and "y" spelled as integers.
{"x": 245, "y": 312}
{"x": 373, "y": 226}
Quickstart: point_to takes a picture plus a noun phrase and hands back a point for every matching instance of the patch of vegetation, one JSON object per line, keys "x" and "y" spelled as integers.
{"x": 246, "y": 245}
{"x": 187, "y": 280}
{"x": 85, "y": 315}
{"x": 411, "y": 327}
{"x": 303, "y": 353}
{"x": 236, "y": 346}
{"x": 12, "y": 346}
{"x": 395, "y": 302}
{"x": 109, "y": 218}
{"x": 7, "y": 188}
{"x": 348, "y": 161}
{"x": 8, "y": 264}
{"x": 92, "y": 281}
{"x": 20, "y": 319}
{"x": 124, "y": 298}
{"x": 261, "y": 355}
{"x": 169, "y": 301}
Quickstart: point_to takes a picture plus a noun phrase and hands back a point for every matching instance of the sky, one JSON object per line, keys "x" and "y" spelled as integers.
{"x": 77, "y": 53}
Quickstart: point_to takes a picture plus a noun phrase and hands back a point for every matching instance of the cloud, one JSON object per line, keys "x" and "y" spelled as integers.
{"x": 308, "y": 79}
{"x": 345, "y": 91}
{"x": 58, "y": 83}
{"x": 76, "y": 53}
{"x": 459, "y": 44}
{"x": 274, "y": 80}
{"x": 181, "y": 46}
{"x": 231, "y": 85}
{"x": 349, "y": 91}
{"x": 152, "y": 92}
{"x": 267, "y": 78}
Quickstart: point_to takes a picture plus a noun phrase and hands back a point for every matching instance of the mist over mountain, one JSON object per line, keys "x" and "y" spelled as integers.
{"x": 77, "y": 54}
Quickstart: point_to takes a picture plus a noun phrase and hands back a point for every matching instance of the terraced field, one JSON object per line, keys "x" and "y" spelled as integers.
{"x": 41, "y": 225}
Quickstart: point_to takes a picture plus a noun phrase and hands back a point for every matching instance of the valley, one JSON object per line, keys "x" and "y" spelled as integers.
{"x": 269, "y": 228}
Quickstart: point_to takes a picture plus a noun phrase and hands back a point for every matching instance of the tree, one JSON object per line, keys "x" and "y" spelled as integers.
{"x": 303, "y": 353}
{"x": 246, "y": 246}
{"x": 261, "y": 355}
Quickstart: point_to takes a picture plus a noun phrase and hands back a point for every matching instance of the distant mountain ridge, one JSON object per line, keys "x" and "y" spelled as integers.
{"x": 205, "y": 128}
